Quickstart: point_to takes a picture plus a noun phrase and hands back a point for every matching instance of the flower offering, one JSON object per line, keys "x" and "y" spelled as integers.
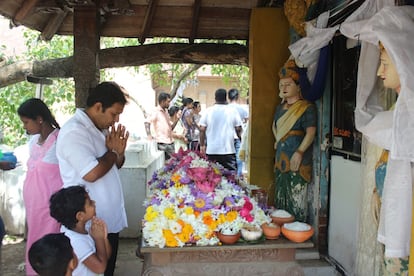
{"x": 191, "y": 199}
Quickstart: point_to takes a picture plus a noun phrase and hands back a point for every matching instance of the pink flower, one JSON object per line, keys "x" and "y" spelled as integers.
{"x": 205, "y": 179}
{"x": 205, "y": 186}
{"x": 244, "y": 213}
{"x": 247, "y": 205}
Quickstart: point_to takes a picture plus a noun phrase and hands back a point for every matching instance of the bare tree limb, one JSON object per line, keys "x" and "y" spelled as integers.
{"x": 203, "y": 53}
{"x": 186, "y": 73}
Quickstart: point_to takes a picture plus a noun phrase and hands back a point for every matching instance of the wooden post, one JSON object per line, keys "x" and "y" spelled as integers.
{"x": 268, "y": 51}
{"x": 86, "y": 49}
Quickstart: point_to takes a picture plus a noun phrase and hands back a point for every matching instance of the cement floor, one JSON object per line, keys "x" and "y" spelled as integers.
{"x": 12, "y": 256}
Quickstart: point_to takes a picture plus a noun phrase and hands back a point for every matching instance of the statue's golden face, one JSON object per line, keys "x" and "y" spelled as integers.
{"x": 388, "y": 73}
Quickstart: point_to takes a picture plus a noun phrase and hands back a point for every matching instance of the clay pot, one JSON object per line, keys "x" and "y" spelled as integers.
{"x": 271, "y": 231}
{"x": 297, "y": 236}
{"x": 280, "y": 221}
{"x": 251, "y": 233}
{"x": 228, "y": 239}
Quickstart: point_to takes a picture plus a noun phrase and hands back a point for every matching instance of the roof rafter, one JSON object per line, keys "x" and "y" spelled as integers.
{"x": 53, "y": 25}
{"x": 149, "y": 16}
{"x": 24, "y": 10}
{"x": 194, "y": 25}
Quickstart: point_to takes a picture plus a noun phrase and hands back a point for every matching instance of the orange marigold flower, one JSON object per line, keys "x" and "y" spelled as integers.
{"x": 208, "y": 220}
{"x": 170, "y": 240}
{"x": 175, "y": 178}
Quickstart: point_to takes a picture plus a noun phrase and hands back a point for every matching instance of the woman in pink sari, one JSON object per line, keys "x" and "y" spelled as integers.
{"x": 43, "y": 177}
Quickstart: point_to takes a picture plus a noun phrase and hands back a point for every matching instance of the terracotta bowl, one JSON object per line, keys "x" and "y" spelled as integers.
{"x": 228, "y": 239}
{"x": 251, "y": 233}
{"x": 271, "y": 231}
{"x": 297, "y": 236}
{"x": 280, "y": 221}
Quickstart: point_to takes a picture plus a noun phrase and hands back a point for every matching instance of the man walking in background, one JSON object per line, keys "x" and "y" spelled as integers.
{"x": 218, "y": 125}
{"x": 163, "y": 127}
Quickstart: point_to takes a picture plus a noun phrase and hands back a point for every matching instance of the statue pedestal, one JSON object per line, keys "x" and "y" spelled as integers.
{"x": 271, "y": 257}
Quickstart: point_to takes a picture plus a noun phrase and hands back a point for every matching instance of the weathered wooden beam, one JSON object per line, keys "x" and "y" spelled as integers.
{"x": 149, "y": 16}
{"x": 194, "y": 24}
{"x": 24, "y": 10}
{"x": 86, "y": 51}
{"x": 53, "y": 25}
{"x": 204, "y": 53}
{"x": 122, "y": 4}
{"x": 73, "y": 3}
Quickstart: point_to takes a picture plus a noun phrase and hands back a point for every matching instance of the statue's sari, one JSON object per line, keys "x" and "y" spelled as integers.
{"x": 290, "y": 128}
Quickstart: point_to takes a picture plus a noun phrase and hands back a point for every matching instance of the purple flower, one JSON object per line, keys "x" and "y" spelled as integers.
{"x": 185, "y": 179}
{"x": 155, "y": 201}
{"x": 202, "y": 202}
{"x": 228, "y": 203}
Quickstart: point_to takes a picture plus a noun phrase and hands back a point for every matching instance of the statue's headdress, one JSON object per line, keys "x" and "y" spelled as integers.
{"x": 289, "y": 69}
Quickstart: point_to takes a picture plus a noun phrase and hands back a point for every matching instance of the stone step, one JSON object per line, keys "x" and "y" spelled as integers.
{"x": 319, "y": 267}
{"x": 307, "y": 254}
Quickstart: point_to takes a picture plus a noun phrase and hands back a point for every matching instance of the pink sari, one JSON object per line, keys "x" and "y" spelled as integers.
{"x": 42, "y": 180}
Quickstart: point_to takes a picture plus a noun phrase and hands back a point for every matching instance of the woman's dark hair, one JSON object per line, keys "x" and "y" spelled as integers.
{"x": 173, "y": 110}
{"x": 187, "y": 101}
{"x": 233, "y": 94}
{"x": 196, "y": 104}
{"x": 51, "y": 254}
{"x": 33, "y": 108}
{"x": 65, "y": 203}
{"x": 107, "y": 93}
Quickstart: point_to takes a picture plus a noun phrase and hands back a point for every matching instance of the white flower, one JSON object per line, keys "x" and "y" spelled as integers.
{"x": 174, "y": 226}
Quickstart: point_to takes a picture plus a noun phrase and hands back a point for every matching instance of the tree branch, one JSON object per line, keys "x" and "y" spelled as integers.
{"x": 203, "y": 53}
{"x": 183, "y": 75}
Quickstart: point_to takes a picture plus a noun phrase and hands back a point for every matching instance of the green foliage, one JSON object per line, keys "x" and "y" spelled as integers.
{"x": 59, "y": 96}
{"x": 235, "y": 75}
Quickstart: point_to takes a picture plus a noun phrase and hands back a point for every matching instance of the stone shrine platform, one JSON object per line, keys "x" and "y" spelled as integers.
{"x": 270, "y": 257}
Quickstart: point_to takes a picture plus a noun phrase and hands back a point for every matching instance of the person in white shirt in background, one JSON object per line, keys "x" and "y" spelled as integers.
{"x": 217, "y": 127}
{"x": 234, "y": 98}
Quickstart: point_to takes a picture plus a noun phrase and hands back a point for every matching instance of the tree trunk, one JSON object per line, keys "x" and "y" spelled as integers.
{"x": 203, "y": 53}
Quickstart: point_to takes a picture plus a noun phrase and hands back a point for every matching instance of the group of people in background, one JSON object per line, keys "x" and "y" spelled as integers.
{"x": 187, "y": 129}
{"x": 174, "y": 127}
{"x": 73, "y": 187}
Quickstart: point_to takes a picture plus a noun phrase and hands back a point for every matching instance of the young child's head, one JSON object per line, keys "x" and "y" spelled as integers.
{"x": 71, "y": 205}
{"x": 52, "y": 255}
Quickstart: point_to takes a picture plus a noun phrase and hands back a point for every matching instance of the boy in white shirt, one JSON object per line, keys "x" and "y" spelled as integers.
{"x": 74, "y": 209}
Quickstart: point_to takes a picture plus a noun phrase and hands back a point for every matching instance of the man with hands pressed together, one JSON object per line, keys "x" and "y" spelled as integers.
{"x": 90, "y": 150}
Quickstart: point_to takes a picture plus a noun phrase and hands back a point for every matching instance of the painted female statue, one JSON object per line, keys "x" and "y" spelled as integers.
{"x": 392, "y": 130}
{"x": 294, "y": 128}
{"x": 387, "y": 72}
